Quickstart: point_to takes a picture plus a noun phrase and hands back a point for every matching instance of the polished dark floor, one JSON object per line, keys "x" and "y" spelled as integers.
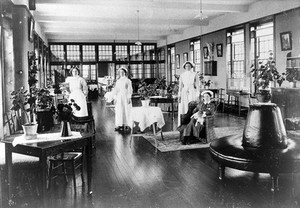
{"x": 135, "y": 175}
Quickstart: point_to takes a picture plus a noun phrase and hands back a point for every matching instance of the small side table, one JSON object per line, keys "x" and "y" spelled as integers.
{"x": 146, "y": 117}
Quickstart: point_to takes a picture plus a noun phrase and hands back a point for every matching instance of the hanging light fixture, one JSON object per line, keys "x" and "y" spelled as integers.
{"x": 201, "y": 16}
{"x": 138, "y": 42}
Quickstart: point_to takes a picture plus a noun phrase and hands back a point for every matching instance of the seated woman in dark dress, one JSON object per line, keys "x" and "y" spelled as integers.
{"x": 196, "y": 124}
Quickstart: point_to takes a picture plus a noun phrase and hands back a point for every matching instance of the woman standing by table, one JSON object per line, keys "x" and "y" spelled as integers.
{"x": 78, "y": 91}
{"x": 189, "y": 88}
{"x": 122, "y": 93}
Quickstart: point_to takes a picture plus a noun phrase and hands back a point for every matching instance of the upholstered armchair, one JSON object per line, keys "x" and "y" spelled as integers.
{"x": 208, "y": 133}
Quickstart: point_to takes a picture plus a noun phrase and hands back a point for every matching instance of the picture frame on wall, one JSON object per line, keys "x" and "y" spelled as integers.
{"x": 185, "y": 57}
{"x": 177, "y": 61}
{"x": 205, "y": 52}
{"x": 286, "y": 41}
{"x": 219, "y": 50}
{"x": 30, "y": 28}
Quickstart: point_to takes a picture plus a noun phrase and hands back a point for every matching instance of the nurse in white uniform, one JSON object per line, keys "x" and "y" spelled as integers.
{"x": 78, "y": 92}
{"x": 122, "y": 94}
{"x": 189, "y": 88}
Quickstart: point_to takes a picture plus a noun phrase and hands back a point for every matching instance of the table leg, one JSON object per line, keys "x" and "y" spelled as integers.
{"x": 173, "y": 110}
{"x": 89, "y": 165}
{"x": 43, "y": 163}
{"x": 8, "y": 161}
{"x": 239, "y": 102}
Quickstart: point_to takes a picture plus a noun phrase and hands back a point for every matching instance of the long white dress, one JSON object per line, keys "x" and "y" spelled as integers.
{"x": 78, "y": 91}
{"x": 189, "y": 89}
{"x": 122, "y": 93}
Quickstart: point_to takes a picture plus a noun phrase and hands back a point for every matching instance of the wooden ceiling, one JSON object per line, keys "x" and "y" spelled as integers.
{"x": 109, "y": 20}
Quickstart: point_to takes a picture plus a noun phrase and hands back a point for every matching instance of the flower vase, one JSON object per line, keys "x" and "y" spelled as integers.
{"x": 65, "y": 129}
{"x": 145, "y": 103}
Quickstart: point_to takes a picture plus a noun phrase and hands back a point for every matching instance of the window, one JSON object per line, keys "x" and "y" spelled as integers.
{"x": 197, "y": 55}
{"x": 121, "y": 53}
{"x": 88, "y": 53}
{"x": 171, "y": 60}
{"x": 73, "y": 53}
{"x": 149, "y": 53}
{"x": 57, "y": 53}
{"x": 161, "y": 63}
{"x": 148, "y": 70}
{"x": 136, "y": 71}
{"x": 236, "y": 74}
{"x": 262, "y": 43}
{"x": 136, "y": 53}
{"x": 89, "y": 73}
{"x": 105, "y": 53}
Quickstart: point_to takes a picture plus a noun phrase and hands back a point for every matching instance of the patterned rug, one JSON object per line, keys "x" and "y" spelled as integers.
{"x": 171, "y": 140}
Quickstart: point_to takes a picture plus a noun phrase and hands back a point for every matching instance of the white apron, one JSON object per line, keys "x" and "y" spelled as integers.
{"x": 189, "y": 89}
{"x": 123, "y": 92}
{"x": 78, "y": 91}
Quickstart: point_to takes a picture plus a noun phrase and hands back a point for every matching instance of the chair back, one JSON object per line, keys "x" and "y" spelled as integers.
{"x": 12, "y": 119}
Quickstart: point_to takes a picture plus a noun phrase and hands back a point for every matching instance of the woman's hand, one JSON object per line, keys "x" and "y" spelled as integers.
{"x": 129, "y": 101}
{"x": 179, "y": 99}
{"x": 195, "y": 115}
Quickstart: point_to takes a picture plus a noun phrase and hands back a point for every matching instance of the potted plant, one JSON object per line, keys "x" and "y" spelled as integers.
{"x": 263, "y": 75}
{"x": 23, "y": 101}
{"x": 145, "y": 91}
{"x": 205, "y": 83}
{"x": 292, "y": 76}
{"x": 161, "y": 85}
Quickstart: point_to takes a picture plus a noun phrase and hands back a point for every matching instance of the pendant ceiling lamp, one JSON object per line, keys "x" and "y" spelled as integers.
{"x": 202, "y": 16}
{"x": 138, "y": 42}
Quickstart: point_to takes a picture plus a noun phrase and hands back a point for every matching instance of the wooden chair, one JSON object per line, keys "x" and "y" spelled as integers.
{"x": 26, "y": 168}
{"x": 66, "y": 164}
{"x": 73, "y": 159}
{"x": 208, "y": 133}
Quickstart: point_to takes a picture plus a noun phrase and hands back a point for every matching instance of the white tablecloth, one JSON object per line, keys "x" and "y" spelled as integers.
{"x": 45, "y": 138}
{"x": 146, "y": 116}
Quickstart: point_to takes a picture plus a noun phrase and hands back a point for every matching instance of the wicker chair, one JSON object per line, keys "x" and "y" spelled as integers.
{"x": 208, "y": 133}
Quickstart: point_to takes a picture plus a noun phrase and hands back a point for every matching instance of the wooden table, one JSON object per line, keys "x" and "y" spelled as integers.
{"x": 160, "y": 99}
{"x": 237, "y": 97}
{"x": 44, "y": 149}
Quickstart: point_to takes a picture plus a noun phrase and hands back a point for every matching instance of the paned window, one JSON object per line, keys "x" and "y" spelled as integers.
{"x": 88, "y": 53}
{"x": 149, "y": 53}
{"x": 105, "y": 53}
{"x": 57, "y": 53}
{"x": 136, "y": 53}
{"x": 73, "y": 53}
{"x": 121, "y": 53}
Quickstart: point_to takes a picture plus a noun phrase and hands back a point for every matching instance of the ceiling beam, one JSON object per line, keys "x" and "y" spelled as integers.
{"x": 133, "y": 6}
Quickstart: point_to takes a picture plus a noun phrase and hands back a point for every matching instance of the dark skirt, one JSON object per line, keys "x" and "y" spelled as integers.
{"x": 192, "y": 130}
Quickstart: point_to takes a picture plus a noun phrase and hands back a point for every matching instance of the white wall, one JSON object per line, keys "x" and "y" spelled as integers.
{"x": 257, "y": 10}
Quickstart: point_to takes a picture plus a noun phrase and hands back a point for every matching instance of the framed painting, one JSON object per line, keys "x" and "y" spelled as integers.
{"x": 219, "y": 50}
{"x": 205, "y": 52}
{"x": 177, "y": 61}
{"x": 185, "y": 57}
{"x": 286, "y": 41}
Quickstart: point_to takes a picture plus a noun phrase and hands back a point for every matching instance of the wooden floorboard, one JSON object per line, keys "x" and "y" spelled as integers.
{"x": 129, "y": 172}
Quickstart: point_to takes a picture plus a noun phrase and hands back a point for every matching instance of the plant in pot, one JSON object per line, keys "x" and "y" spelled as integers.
{"x": 292, "y": 76}
{"x": 145, "y": 91}
{"x": 263, "y": 75}
{"x": 161, "y": 86}
{"x": 25, "y": 102}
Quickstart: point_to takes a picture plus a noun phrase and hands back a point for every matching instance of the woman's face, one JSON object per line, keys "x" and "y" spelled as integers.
{"x": 188, "y": 66}
{"x": 74, "y": 72}
{"x": 206, "y": 97}
{"x": 121, "y": 73}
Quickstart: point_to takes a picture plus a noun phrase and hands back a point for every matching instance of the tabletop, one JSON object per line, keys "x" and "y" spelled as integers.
{"x": 146, "y": 116}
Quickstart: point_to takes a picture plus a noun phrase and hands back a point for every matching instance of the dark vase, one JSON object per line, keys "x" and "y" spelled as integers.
{"x": 264, "y": 96}
{"x": 65, "y": 129}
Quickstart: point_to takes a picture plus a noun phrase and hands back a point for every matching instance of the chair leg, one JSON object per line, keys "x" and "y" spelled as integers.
{"x": 74, "y": 175}
{"x": 64, "y": 171}
{"x": 50, "y": 175}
